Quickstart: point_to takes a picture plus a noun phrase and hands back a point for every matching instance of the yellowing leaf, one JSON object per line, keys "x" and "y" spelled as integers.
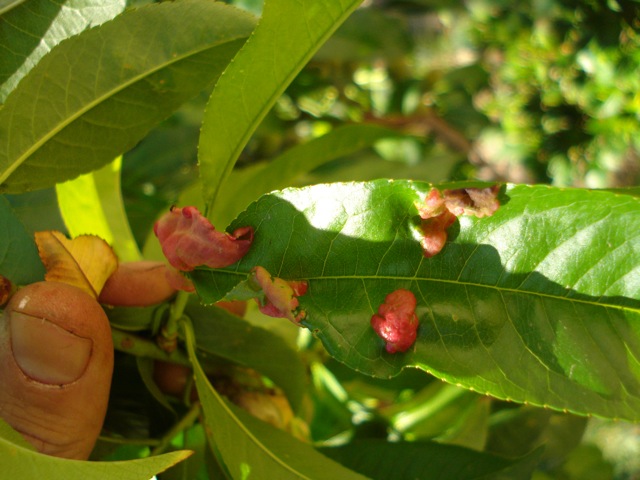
{"x": 85, "y": 262}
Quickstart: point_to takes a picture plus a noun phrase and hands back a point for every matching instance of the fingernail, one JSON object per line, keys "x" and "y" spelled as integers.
{"x": 46, "y": 352}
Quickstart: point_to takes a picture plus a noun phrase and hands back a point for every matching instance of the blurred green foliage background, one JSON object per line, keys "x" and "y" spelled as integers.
{"x": 541, "y": 91}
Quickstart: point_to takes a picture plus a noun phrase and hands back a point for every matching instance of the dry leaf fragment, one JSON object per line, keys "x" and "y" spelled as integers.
{"x": 480, "y": 202}
{"x": 396, "y": 321}
{"x": 439, "y": 211}
{"x": 85, "y": 262}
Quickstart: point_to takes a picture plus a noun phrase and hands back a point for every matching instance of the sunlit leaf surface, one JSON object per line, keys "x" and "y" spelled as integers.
{"x": 538, "y": 303}
{"x": 92, "y": 204}
{"x": 32, "y": 28}
{"x": 97, "y": 94}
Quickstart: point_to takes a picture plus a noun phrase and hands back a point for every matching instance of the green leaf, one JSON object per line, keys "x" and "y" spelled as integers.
{"x": 22, "y": 463}
{"x": 246, "y": 185}
{"x": 97, "y": 94}
{"x": 145, "y": 369}
{"x": 439, "y": 410}
{"x": 251, "y": 448}
{"x": 38, "y": 210}
{"x": 92, "y": 204}
{"x": 19, "y": 259}
{"x": 225, "y": 335}
{"x": 539, "y": 303}
{"x": 31, "y": 29}
{"x": 425, "y": 460}
{"x": 6, "y": 5}
{"x": 516, "y": 431}
{"x": 287, "y": 36}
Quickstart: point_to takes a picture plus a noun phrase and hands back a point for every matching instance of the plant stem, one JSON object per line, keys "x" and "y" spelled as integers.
{"x": 142, "y": 347}
{"x": 168, "y": 337}
{"x": 185, "y": 422}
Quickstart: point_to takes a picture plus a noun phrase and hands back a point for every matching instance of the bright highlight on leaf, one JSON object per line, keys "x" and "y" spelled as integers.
{"x": 280, "y": 298}
{"x": 396, "y": 321}
{"x": 188, "y": 240}
{"x": 85, "y": 262}
{"x": 439, "y": 212}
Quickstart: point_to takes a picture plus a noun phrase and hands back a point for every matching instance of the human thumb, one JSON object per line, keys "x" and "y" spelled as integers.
{"x": 56, "y": 363}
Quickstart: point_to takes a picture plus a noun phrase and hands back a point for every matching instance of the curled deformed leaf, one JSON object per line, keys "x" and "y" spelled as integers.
{"x": 280, "y": 298}
{"x": 85, "y": 262}
{"x": 396, "y": 321}
{"x": 188, "y": 240}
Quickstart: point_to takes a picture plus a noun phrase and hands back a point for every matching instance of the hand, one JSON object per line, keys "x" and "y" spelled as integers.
{"x": 56, "y": 357}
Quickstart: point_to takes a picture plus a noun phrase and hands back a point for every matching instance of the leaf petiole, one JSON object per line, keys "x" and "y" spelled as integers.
{"x": 143, "y": 347}
{"x": 168, "y": 337}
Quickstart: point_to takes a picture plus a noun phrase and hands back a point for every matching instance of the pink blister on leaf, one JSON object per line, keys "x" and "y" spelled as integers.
{"x": 435, "y": 233}
{"x": 280, "y": 296}
{"x": 439, "y": 211}
{"x": 436, "y": 219}
{"x": 396, "y": 321}
{"x": 188, "y": 240}
{"x": 479, "y": 202}
{"x": 432, "y": 206}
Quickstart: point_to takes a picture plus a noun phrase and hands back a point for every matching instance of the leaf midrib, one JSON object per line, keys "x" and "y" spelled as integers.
{"x": 396, "y": 278}
{"x": 471, "y": 284}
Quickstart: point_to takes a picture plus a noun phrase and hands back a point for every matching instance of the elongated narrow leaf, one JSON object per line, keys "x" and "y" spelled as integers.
{"x": 538, "y": 303}
{"x": 247, "y": 184}
{"x": 31, "y": 29}
{"x": 227, "y": 336}
{"x": 251, "y": 448}
{"x": 22, "y": 463}
{"x": 6, "y": 5}
{"x": 92, "y": 204}
{"x": 97, "y": 94}
{"x": 288, "y": 34}
{"x": 19, "y": 260}
{"x": 428, "y": 460}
